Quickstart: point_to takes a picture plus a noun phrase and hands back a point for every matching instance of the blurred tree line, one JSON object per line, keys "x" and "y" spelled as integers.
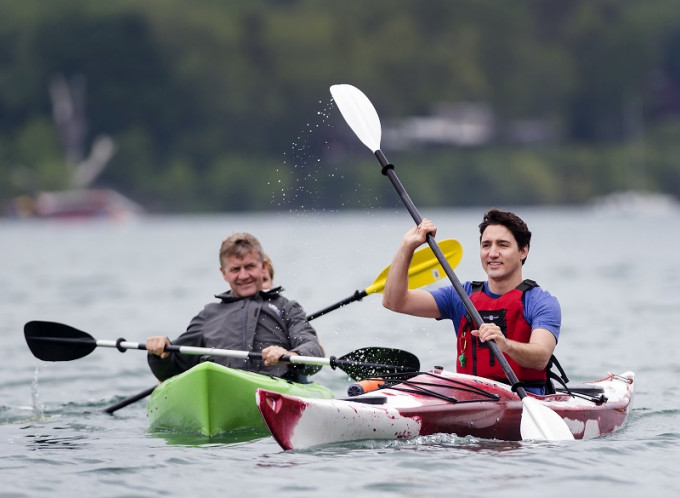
{"x": 223, "y": 105}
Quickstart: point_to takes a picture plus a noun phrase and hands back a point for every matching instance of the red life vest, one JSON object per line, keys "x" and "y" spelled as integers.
{"x": 506, "y": 311}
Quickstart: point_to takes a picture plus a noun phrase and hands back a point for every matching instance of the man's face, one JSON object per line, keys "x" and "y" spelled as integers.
{"x": 500, "y": 255}
{"x": 244, "y": 275}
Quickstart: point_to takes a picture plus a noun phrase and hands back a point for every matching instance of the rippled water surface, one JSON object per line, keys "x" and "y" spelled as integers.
{"x": 615, "y": 277}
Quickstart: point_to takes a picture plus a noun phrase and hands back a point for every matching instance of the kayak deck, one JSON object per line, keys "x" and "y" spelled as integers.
{"x": 210, "y": 399}
{"x": 442, "y": 402}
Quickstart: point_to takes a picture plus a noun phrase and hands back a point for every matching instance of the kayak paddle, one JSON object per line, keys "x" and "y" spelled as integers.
{"x": 52, "y": 341}
{"x": 424, "y": 269}
{"x": 538, "y": 421}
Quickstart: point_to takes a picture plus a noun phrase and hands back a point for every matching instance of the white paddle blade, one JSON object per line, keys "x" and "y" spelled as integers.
{"x": 359, "y": 113}
{"x": 541, "y": 423}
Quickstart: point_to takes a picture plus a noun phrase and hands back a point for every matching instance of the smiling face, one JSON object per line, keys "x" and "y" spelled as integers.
{"x": 501, "y": 258}
{"x": 243, "y": 274}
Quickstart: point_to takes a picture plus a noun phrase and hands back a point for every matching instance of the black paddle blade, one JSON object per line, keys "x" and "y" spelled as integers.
{"x": 374, "y": 362}
{"x": 51, "y": 341}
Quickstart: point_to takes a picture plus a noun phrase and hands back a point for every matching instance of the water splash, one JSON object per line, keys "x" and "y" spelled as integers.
{"x": 303, "y": 178}
{"x": 38, "y": 409}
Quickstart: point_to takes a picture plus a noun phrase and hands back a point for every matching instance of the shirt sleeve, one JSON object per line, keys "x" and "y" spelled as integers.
{"x": 177, "y": 363}
{"x": 542, "y": 311}
{"x": 449, "y": 302}
{"x": 302, "y": 336}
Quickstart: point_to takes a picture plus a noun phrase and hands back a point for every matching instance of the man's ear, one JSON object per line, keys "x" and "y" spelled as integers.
{"x": 523, "y": 253}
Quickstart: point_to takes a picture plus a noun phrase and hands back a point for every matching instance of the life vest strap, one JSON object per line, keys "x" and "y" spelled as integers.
{"x": 478, "y": 285}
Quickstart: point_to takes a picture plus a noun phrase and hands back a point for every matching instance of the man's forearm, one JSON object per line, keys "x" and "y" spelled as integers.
{"x": 396, "y": 285}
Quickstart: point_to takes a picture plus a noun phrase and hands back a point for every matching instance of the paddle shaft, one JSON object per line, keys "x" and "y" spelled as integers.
{"x": 123, "y": 345}
{"x": 357, "y": 296}
{"x": 129, "y": 401}
{"x": 388, "y": 170}
{"x": 347, "y": 365}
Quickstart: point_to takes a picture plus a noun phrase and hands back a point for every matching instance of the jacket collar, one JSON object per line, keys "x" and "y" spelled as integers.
{"x": 228, "y": 296}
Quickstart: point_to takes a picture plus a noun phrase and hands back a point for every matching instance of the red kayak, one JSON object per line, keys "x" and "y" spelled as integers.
{"x": 441, "y": 402}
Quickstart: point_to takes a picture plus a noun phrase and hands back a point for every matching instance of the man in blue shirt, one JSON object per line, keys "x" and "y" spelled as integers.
{"x": 524, "y": 319}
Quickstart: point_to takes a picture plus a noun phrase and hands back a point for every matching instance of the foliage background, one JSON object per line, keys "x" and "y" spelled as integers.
{"x": 224, "y": 106}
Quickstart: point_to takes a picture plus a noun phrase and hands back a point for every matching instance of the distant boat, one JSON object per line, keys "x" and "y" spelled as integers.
{"x": 636, "y": 202}
{"x": 84, "y": 203}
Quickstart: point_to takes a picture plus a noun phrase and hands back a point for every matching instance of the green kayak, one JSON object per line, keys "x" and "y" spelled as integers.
{"x": 211, "y": 399}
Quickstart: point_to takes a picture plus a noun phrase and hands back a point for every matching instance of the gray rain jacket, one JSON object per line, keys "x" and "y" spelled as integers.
{"x": 246, "y": 324}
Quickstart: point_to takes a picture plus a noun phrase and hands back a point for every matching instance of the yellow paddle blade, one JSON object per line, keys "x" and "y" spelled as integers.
{"x": 424, "y": 268}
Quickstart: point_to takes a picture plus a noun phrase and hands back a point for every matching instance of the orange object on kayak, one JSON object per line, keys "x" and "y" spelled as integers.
{"x": 365, "y": 386}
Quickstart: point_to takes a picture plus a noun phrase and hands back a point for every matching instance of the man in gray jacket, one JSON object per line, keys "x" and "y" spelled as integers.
{"x": 246, "y": 318}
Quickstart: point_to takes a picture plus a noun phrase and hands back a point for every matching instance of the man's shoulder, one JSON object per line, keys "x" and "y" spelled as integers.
{"x": 538, "y": 298}
{"x": 542, "y": 310}
{"x": 536, "y": 291}
{"x": 449, "y": 291}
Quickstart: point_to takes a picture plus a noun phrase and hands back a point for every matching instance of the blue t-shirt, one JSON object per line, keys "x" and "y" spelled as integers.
{"x": 541, "y": 310}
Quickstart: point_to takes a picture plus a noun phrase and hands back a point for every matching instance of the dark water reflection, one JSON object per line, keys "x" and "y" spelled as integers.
{"x": 50, "y": 442}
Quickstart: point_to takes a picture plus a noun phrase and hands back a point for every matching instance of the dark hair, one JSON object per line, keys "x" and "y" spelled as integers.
{"x": 512, "y": 222}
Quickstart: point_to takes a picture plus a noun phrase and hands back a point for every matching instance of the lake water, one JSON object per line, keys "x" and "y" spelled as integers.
{"x": 615, "y": 277}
